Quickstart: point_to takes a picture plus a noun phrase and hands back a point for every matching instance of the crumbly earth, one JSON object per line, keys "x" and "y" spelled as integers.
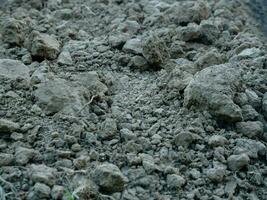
{"x": 133, "y": 100}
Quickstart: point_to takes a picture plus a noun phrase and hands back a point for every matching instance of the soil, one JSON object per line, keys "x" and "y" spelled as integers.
{"x": 133, "y": 99}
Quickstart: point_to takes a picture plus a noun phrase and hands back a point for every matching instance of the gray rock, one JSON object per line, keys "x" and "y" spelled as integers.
{"x": 212, "y": 57}
{"x": 57, "y": 192}
{"x": 109, "y": 178}
{"x": 179, "y": 79}
{"x": 129, "y": 26}
{"x": 250, "y": 128}
{"x": 139, "y": 62}
{"x": 252, "y": 148}
{"x": 91, "y": 81}
{"x": 249, "y": 113}
{"x": 56, "y": 95}
{"x": 184, "y": 139}
{"x": 64, "y": 58}
{"x": 209, "y": 32}
{"x": 13, "y": 69}
{"x": 133, "y": 46}
{"x": 42, "y": 46}
{"x": 237, "y": 162}
{"x": 13, "y": 31}
{"x": 264, "y": 105}
{"x": 7, "y": 126}
{"x": 175, "y": 181}
{"x": 217, "y": 140}
{"x": 6, "y": 159}
{"x": 108, "y": 129}
{"x": 155, "y": 50}
{"x": 24, "y": 155}
{"x": 213, "y": 88}
{"x": 216, "y": 174}
{"x": 86, "y": 189}
{"x": 118, "y": 40}
{"x": 253, "y": 99}
{"x": 184, "y": 12}
{"x": 42, "y": 174}
{"x": 40, "y": 191}
{"x": 190, "y": 33}
{"x": 249, "y": 53}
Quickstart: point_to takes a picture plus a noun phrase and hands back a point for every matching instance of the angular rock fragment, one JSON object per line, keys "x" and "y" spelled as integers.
{"x": 237, "y": 162}
{"x": 7, "y": 126}
{"x": 42, "y": 46}
{"x": 108, "y": 129}
{"x": 64, "y": 58}
{"x": 216, "y": 174}
{"x": 252, "y": 148}
{"x": 24, "y": 155}
{"x": 175, "y": 181}
{"x": 42, "y": 174}
{"x": 6, "y": 159}
{"x": 217, "y": 140}
{"x": 184, "y": 12}
{"x": 39, "y": 191}
{"x": 133, "y": 46}
{"x": 214, "y": 88}
{"x": 250, "y": 128}
{"x": 264, "y": 105}
{"x": 56, "y": 95}
{"x": 13, "y": 32}
{"x": 109, "y": 178}
{"x": 155, "y": 50}
{"x": 13, "y": 70}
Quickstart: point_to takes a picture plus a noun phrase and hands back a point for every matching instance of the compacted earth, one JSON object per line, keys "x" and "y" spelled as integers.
{"x": 133, "y": 100}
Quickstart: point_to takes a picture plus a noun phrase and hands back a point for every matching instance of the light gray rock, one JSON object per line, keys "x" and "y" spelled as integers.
{"x": 24, "y": 155}
{"x": 250, "y": 128}
{"x": 264, "y": 105}
{"x": 209, "y": 32}
{"x": 155, "y": 50}
{"x": 13, "y": 69}
{"x": 42, "y": 46}
{"x": 42, "y": 174}
{"x": 179, "y": 79}
{"x": 139, "y": 62}
{"x": 133, "y": 46}
{"x": 13, "y": 31}
{"x": 175, "y": 181}
{"x": 210, "y": 58}
{"x": 184, "y": 139}
{"x": 57, "y": 95}
{"x": 216, "y": 174}
{"x": 213, "y": 89}
{"x": 237, "y": 162}
{"x": 249, "y": 53}
{"x": 6, "y": 159}
{"x": 249, "y": 113}
{"x": 217, "y": 140}
{"x": 184, "y": 12}
{"x": 91, "y": 81}
{"x": 109, "y": 178}
{"x": 7, "y": 126}
{"x": 252, "y": 148}
{"x": 253, "y": 99}
{"x": 64, "y": 58}
{"x": 108, "y": 129}
{"x": 190, "y": 33}
{"x": 40, "y": 191}
{"x": 57, "y": 192}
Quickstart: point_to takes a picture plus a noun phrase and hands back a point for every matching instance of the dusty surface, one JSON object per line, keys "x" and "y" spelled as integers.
{"x": 117, "y": 99}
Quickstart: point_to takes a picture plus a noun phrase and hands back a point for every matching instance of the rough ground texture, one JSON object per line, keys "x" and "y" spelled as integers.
{"x": 132, "y": 100}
